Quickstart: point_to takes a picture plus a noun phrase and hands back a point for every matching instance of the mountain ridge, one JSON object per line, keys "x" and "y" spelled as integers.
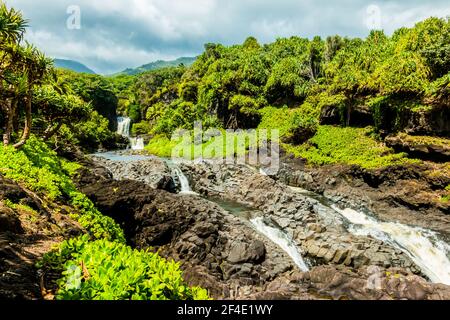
{"x": 73, "y": 65}
{"x": 159, "y": 64}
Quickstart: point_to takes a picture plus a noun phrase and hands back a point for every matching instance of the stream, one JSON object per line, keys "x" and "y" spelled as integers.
{"x": 428, "y": 250}
{"x": 424, "y": 247}
{"x": 272, "y": 233}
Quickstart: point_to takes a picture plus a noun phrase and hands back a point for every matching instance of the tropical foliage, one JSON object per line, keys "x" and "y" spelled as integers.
{"x": 104, "y": 270}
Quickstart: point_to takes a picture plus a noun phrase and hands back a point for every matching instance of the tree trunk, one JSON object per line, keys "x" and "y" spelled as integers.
{"x": 16, "y": 116}
{"x": 28, "y": 120}
{"x": 9, "y": 122}
{"x": 349, "y": 114}
{"x": 51, "y": 131}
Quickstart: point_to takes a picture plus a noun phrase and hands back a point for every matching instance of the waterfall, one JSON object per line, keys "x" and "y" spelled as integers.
{"x": 282, "y": 240}
{"x": 137, "y": 143}
{"x": 123, "y": 129}
{"x": 422, "y": 246}
{"x": 185, "y": 188}
{"x": 123, "y": 126}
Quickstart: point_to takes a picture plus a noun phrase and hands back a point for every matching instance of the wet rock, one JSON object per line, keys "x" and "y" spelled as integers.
{"x": 219, "y": 252}
{"x": 191, "y": 230}
{"x": 319, "y": 230}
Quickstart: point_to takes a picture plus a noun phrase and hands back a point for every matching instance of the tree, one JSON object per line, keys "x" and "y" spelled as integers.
{"x": 57, "y": 109}
{"x": 22, "y": 67}
{"x": 12, "y": 28}
{"x": 36, "y": 67}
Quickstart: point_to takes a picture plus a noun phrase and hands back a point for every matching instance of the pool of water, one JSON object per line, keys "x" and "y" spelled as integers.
{"x": 121, "y": 156}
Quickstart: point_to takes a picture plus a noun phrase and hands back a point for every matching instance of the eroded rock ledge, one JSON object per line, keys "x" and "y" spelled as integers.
{"x": 222, "y": 253}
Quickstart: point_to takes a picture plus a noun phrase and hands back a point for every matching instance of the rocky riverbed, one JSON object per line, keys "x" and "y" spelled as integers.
{"x": 223, "y": 250}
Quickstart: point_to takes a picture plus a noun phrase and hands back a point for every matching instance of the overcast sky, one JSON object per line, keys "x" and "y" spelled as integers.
{"x": 116, "y": 34}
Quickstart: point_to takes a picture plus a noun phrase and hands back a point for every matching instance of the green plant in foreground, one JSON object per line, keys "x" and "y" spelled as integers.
{"x": 40, "y": 170}
{"x": 104, "y": 270}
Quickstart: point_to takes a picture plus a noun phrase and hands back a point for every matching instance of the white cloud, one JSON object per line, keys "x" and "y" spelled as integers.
{"x": 124, "y": 33}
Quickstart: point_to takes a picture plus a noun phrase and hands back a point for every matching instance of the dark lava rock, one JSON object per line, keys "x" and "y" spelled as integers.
{"x": 243, "y": 252}
{"x": 9, "y": 222}
{"x": 421, "y": 150}
{"x": 153, "y": 171}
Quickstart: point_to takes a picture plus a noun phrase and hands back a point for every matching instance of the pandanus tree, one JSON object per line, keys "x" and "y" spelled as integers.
{"x": 57, "y": 108}
{"x": 12, "y": 28}
{"x": 22, "y": 67}
{"x": 36, "y": 67}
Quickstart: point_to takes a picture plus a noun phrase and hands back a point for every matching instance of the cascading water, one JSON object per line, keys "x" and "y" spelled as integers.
{"x": 185, "y": 188}
{"x": 123, "y": 128}
{"x": 280, "y": 239}
{"x": 137, "y": 143}
{"x": 422, "y": 246}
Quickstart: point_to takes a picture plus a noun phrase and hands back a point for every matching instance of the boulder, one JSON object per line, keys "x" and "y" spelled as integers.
{"x": 243, "y": 252}
{"x": 371, "y": 283}
{"x": 9, "y": 222}
{"x": 153, "y": 171}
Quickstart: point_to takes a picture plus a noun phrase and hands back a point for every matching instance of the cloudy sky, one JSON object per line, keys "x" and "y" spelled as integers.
{"x": 116, "y": 34}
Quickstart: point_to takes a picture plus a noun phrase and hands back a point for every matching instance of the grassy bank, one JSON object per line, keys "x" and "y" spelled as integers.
{"x": 98, "y": 265}
{"x": 329, "y": 144}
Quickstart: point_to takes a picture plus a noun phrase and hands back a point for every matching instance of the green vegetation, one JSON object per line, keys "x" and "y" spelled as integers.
{"x": 354, "y": 146}
{"x": 114, "y": 271}
{"x": 23, "y": 67}
{"x": 103, "y": 270}
{"x": 40, "y": 170}
{"x": 213, "y": 145}
{"x": 309, "y": 90}
{"x": 292, "y": 83}
{"x": 446, "y": 198}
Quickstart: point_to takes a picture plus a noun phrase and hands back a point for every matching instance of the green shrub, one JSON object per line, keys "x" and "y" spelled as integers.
{"x": 142, "y": 127}
{"x": 104, "y": 270}
{"x": 353, "y": 146}
{"x": 446, "y": 198}
{"x": 211, "y": 147}
{"x": 160, "y": 146}
{"x": 286, "y": 120}
{"x": 39, "y": 169}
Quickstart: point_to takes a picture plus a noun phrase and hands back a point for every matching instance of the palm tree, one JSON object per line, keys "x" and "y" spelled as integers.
{"x": 12, "y": 25}
{"x": 21, "y": 69}
{"x": 37, "y": 67}
{"x": 12, "y": 28}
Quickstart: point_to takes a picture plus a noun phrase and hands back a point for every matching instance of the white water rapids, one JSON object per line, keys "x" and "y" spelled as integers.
{"x": 123, "y": 126}
{"x": 275, "y": 235}
{"x": 185, "y": 188}
{"x": 422, "y": 246}
{"x": 280, "y": 239}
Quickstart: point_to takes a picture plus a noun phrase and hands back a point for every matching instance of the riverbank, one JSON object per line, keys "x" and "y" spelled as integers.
{"x": 309, "y": 226}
